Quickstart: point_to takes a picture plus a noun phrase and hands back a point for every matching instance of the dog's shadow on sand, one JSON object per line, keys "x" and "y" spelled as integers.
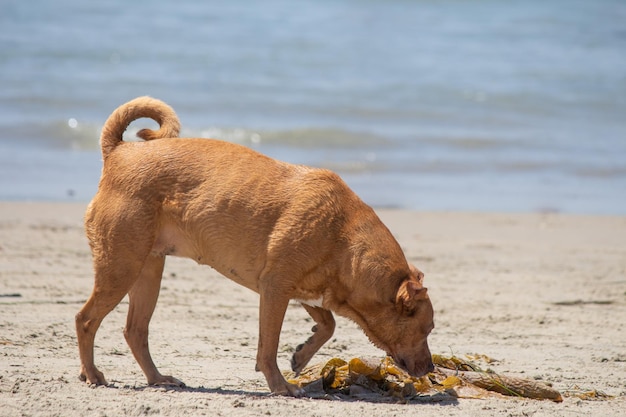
{"x": 440, "y": 398}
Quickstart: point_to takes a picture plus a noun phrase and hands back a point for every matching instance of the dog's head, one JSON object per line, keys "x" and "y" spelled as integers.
{"x": 414, "y": 318}
{"x": 400, "y": 326}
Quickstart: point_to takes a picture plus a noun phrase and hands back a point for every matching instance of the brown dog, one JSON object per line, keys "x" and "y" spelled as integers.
{"x": 284, "y": 231}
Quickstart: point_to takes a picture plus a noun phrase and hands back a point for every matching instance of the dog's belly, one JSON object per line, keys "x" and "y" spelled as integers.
{"x": 171, "y": 241}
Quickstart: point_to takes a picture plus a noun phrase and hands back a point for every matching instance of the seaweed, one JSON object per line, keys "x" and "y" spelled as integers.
{"x": 374, "y": 380}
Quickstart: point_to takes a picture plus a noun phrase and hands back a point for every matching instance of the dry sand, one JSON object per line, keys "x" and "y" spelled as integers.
{"x": 543, "y": 294}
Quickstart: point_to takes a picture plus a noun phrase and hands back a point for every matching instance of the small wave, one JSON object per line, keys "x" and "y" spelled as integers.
{"x": 75, "y": 134}
{"x": 66, "y": 134}
{"x": 322, "y": 138}
{"x": 606, "y": 172}
{"x": 313, "y": 138}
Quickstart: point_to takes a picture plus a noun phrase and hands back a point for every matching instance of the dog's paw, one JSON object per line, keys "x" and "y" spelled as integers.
{"x": 297, "y": 361}
{"x": 289, "y": 390}
{"x": 167, "y": 381}
{"x": 94, "y": 377}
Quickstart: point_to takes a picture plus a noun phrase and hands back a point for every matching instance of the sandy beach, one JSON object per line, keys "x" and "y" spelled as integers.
{"x": 543, "y": 294}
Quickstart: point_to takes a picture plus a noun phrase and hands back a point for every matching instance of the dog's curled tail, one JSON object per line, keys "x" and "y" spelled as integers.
{"x": 135, "y": 109}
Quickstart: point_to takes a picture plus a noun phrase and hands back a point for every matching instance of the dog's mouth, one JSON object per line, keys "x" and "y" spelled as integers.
{"x": 401, "y": 363}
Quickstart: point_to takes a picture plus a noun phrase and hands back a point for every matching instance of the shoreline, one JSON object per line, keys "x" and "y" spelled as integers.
{"x": 544, "y": 294}
{"x": 72, "y": 176}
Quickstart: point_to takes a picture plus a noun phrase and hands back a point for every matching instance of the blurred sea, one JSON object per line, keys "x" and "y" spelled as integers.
{"x": 482, "y": 105}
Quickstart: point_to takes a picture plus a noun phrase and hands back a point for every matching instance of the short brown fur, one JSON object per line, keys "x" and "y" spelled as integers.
{"x": 284, "y": 231}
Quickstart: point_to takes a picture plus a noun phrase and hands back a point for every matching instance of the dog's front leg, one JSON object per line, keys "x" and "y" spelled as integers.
{"x": 271, "y": 314}
{"x": 322, "y": 331}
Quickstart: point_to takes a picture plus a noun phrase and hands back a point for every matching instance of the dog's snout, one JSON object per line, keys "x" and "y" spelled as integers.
{"x": 424, "y": 369}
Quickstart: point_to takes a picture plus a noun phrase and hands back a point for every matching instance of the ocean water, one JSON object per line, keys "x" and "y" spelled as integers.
{"x": 482, "y": 105}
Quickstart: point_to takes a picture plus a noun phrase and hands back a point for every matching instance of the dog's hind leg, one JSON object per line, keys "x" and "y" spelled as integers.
{"x": 111, "y": 285}
{"x": 120, "y": 246}
{"x": 142, "y": 300}
{"x": 88, "y": 321}
{"x": 322, "y": 331}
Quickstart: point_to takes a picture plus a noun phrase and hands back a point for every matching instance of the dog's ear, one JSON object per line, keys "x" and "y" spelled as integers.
{"x": 409, "y": 295}
{"x": 419, "y": 275}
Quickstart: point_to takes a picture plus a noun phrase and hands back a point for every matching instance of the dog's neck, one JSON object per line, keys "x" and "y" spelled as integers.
{"x": 370, "y": 277}
{"x": 377, "y": 261}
